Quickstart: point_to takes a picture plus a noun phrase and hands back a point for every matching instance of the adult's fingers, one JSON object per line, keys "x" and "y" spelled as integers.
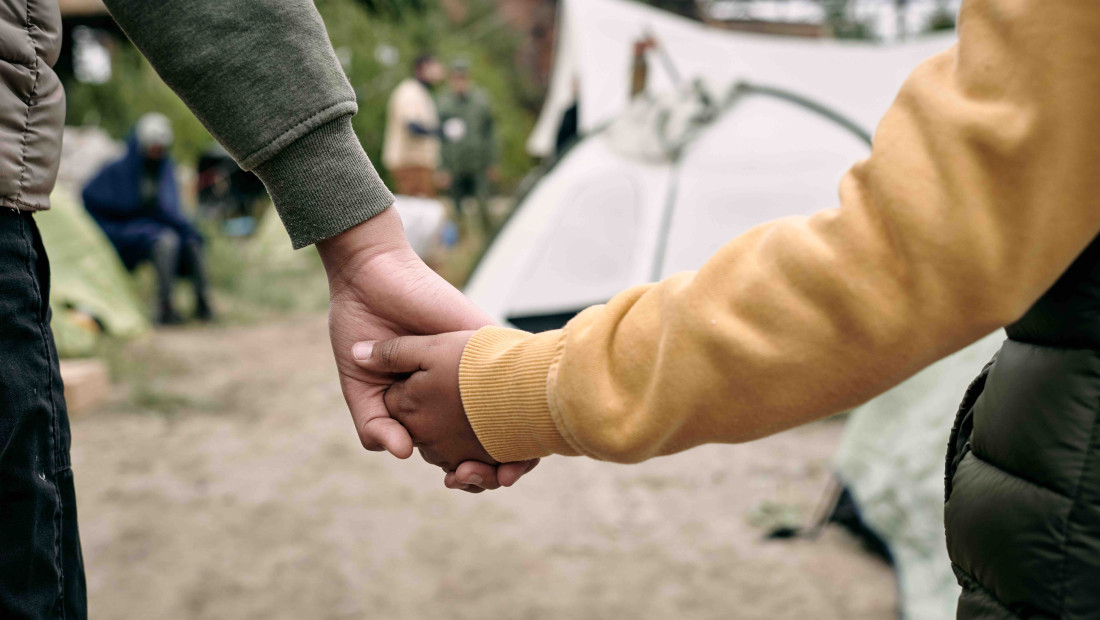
{"x": 396, "y": 355}
{"x": 390, "y": 435}
{"x": 376, "y": 430}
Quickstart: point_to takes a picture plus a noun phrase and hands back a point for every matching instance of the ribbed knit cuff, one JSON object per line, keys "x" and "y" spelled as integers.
{"x": 504, "y": 378}
{"x": 323, "y": 184}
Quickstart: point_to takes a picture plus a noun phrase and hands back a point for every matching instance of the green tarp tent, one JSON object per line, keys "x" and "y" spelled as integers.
{"x": 87, "y": 278}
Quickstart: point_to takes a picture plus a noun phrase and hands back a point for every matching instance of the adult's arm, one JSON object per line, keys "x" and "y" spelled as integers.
{"x": 262, "y": 77}
{"x": 981, "y": 189}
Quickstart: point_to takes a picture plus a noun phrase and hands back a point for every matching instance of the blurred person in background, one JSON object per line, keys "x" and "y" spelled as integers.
{"x": 136, "y": 202}
{"x": 411, "y": 148}
{"x": 469, "y": 143}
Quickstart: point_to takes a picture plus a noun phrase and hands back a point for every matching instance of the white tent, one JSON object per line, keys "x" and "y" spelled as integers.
{"x": 618, "y": 211}
{"x": 592, "y": 64}
{"x": 892, "y": 461}
{"x": 733, "y": 130}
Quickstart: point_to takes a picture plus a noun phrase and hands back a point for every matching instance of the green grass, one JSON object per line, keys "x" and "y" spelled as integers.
{"x": 145, "y": 370}
{"x": 260, "y": 278}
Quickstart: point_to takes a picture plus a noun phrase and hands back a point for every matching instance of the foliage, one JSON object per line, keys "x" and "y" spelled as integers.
{"x": 365, "y": 35}
{"x": 395, "y": 9}
{"x": 839, "y": 17}
{"x": 133, "y": 90}
{"x": 482, "y": 40}
{"x": 261, "y": 275}
{"x": 941, "y": 20}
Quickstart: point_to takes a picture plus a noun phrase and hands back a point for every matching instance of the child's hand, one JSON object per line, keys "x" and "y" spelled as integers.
{"x": 425, "y": 397}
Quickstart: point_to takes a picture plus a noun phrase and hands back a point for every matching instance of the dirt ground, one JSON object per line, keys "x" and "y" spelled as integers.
{"x": 250, "y": 497}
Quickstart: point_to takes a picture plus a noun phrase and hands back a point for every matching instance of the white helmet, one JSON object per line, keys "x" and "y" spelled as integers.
{"x": 154, "y": 129}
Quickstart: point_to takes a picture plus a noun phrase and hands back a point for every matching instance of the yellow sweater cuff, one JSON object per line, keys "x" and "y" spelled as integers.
{"x": 504, "y": 378}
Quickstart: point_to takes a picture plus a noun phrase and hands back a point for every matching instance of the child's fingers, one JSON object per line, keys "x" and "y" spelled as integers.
{"x": 397, "y": 401}
{"x": 393, "y": 356}
{"x": 510, "y": 473}
{"x": 451, "y": 482}
{"x": 404, "y": 398}
{"x": 476, "y": 473}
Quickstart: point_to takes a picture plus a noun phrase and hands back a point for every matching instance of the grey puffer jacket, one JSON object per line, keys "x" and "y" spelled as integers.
{"x": 1023, "y": 469}
{"x": 32, "y": 102}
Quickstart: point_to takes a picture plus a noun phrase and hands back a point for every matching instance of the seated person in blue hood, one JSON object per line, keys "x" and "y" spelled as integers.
{"x": 136, "y": 202}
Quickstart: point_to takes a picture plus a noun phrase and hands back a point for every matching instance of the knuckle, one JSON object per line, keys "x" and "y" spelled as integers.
{"x": 389, "y": 353}
{"x": 407, "y": 405}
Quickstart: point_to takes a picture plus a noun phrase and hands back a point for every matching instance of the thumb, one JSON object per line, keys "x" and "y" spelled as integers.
{"x": 394, "y": 356}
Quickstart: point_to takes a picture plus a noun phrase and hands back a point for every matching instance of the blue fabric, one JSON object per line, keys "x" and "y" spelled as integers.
{"x": 113, "y": 198}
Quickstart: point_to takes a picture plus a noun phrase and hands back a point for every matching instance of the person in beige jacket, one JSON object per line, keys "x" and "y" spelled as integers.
{"x": 411, "y": 145}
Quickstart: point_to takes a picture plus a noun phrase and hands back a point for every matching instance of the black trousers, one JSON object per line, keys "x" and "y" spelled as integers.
{"x": 41, "y": 568}
{"x": 476, "y": 185}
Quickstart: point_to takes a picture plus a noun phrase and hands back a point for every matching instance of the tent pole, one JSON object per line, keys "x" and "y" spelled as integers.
{"x": 809, "y": 104}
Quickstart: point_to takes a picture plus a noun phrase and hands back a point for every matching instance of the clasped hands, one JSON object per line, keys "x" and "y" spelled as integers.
{"x": 399, "y": 379}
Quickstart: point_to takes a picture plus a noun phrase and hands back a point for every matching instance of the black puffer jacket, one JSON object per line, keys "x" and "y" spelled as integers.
{"x": 1023, "y": 469}
{"x": 32, "y": 102}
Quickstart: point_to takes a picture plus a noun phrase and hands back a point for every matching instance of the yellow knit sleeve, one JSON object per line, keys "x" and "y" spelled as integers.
{"x": 503, "y": 378}
{"x": 980, "y": 191}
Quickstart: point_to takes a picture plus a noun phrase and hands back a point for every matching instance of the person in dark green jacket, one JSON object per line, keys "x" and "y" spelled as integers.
{"x": 469, "y": 143}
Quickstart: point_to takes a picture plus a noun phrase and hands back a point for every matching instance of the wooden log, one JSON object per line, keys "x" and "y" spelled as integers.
{"x": 87, "y": 385}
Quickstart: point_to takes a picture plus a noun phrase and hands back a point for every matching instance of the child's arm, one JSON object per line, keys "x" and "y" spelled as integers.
{"x": 982, "y": 188}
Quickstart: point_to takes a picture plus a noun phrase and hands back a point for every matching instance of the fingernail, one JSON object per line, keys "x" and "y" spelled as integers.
{"x": 475, "y": 480}
{"x": 362, "y": 350}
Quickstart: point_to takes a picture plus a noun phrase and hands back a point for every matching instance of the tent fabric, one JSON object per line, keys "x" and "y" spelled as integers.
{"x": 892, "y": 460}
{"x": 86, "y": 275}
{"x": 613, "y": 214}
{"x": 616, "y": 212}
{"x": 594, "y": 55}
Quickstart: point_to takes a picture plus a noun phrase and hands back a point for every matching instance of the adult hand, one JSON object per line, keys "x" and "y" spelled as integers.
{"x": 378, "y": 289}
